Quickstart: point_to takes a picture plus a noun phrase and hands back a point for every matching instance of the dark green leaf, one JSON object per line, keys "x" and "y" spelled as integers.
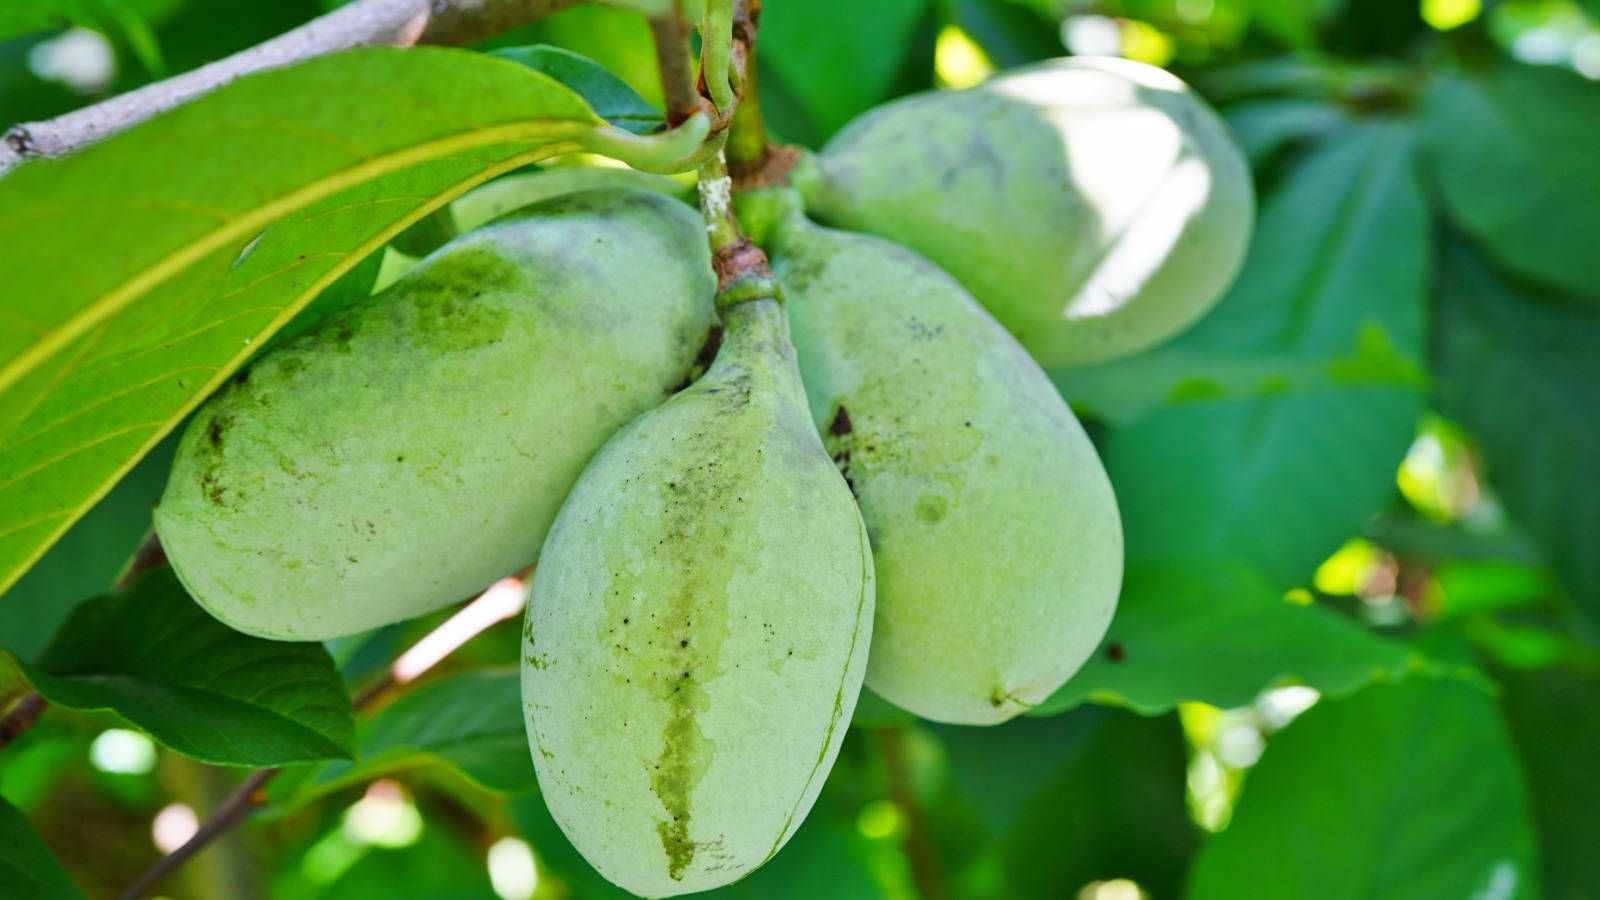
{"x": 1294, "y": 22}
{"x": 1555, "y": 721}
{"x": 1010, "y": 33}
{"x": 152, "y": 656}
{"x": 1115, "y": 810}
{"x": 1513, "y": 154}
{"x": 872, "y": 711}
{"x": 1219, "y": 633}
{"x": 838, "y": 58}
{"x": 1523, "y": 375}
{"x": 27, "y": 870}
{"x": 145, "y": 279}
{"x": 87, "y": 559}
{"x": 1335, "y": 282}
{"x": 609, "y": 96}
{"x": 1263, "y": 127}
{"x": 472, "y": 720}
{"x": 1407, "y": 790}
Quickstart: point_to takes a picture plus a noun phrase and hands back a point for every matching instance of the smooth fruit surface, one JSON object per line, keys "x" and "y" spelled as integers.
{"x": 995, "y": 534}
{"x": 411, "y": 450}
{"x": 698, "y": 627}
{"x": 1095, "y": 206}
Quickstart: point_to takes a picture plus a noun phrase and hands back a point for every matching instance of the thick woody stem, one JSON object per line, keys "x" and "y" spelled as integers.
{"x": 364, "y": 23}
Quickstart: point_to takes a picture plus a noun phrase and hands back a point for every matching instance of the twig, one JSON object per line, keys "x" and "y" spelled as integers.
{"x": 925, "y": 870}
{"x": 364, "y": 23}
{"x": 244, "y": 800}
{"x": 21, "y": 717}
{"x": 249, "y": 796}
{"x": 671, "y": 35}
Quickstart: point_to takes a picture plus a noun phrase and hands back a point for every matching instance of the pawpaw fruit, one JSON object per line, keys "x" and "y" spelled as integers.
{"x": 698, "y": 626}
{"x": 996, "y": 540}
{"x": 410, "y": 450}
{"x": 1096, "y": 207}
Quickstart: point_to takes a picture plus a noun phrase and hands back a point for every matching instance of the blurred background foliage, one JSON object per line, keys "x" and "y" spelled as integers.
{"x": 1357, "y": 650}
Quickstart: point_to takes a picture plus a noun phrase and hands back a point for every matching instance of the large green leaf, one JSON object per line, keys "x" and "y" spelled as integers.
{"x": 1523, "y": 374}
{"x": 1219, "y": 633}
{"x": 152, "y": 656}
{"x": 1512, "y": 152}
{"x": 26, "y": 867}
{"x": 1555, "y": 721}
{"x": 472, "y": 720}
{"x": 1408, "y": 790}
{"x": 1114, "y": 809}
{"x": 807, "y": 49}
{"x": 157, "y": 260}
{"x": 1334, "y": 284}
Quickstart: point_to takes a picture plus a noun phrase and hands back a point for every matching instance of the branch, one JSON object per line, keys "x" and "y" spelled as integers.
{"x": 364, "y": 23}
{"x": 501, "y": 601}
{"x": 671, "y": 36}
{"x": 925, "y": 870}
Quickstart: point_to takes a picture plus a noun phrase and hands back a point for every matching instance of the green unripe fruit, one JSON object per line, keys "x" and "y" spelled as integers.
{"x": 995, "y": 534}
{"x": 1095, "y": 206}
{"x": 412, "y": 449}
{"x": 698, "y": 627}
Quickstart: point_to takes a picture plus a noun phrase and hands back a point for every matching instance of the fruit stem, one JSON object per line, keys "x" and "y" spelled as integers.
{"x": 747, "y": 135}
{"x": 742, "y": 271}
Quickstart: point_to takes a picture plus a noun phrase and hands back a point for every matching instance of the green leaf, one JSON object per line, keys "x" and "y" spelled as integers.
{"x": 1512, "y": 152}
{"x": 146, "y": 279}
{"x": 1115, "y": 809}
{"x": 609, "y": 96}
{"x": 810, "y": 47}
{"x": 1219, "y": 633}
{"x": 152, "y": 656}
{"x": 88, "y": 558}
{"x": 1293, "y": 22}
{"x": 1010, "y": 33}
{"x": 1263, "y": 127}
{"x": 1407, "y": 790}
{"x": 26, "y": 867}
{"x": 1334, "y": 281}
{"x": 1555, "y": 721}
{"x": 872, "y": 711}
{"x": 472, "y": 720}
{"x": 1522, "y": 373}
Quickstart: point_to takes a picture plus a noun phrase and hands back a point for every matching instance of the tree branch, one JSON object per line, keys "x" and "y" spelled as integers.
{"x": 488, "y": 608}
{"x": 925, "y": 870}
{"x": 364, "y": 23}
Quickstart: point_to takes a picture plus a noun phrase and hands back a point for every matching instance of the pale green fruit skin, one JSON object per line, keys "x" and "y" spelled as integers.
{"x": 1096, "y": 207}
{"x": 996, "y": 538}
{"x": 698, "y": 627}
{"x": 411, "y": 450}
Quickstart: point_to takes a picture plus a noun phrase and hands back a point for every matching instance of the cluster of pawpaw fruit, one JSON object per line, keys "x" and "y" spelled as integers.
{"x": 710, "y": 593}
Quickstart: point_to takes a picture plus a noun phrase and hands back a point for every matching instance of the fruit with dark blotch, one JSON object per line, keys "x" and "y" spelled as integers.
{"x": 1096, "y": 207}
{"x": 995, "y": 534}
{"x": 410, "y": 450}
{"x": 698, "y": 627}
